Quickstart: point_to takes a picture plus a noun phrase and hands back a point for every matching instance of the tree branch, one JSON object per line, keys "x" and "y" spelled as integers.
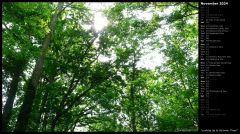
{"x": 192, "y": 5}
{"x": 65, "y": 8}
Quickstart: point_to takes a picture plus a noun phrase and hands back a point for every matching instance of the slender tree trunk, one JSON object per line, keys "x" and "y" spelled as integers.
{"x": 45, "y": 121}
{"x": 132, "y": 98}
{"x": 54, "y": 122}
{"x": 29, "y": 95}
{"x": 73, "y": 128}
{"x": 133, "y": 114}
{"x": 42, "y": 105}
{"x": 41, "y": 111}
{"x": 7, "y": 110}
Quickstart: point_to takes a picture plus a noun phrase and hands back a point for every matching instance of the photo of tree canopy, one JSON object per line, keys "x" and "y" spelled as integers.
{"x": 99, "y": 67}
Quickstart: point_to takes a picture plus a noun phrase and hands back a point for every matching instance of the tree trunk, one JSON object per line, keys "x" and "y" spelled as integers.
{"x": 41, "y": 110}
{"x": 29, "y": 95}
{"x": 132, "y": 98}
{"x": 45, "y": 121}
{"x": 7, "y": 110}
{"x": 54, "y": 122}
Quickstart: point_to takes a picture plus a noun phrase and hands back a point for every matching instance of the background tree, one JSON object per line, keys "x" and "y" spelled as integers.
{"x": 20, "y": 47}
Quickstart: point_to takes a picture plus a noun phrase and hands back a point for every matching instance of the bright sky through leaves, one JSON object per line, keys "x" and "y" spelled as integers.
{"x": 149, "y": 60}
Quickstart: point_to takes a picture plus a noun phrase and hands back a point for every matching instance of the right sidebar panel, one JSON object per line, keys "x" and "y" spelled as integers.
{"x": 217, "y": 89}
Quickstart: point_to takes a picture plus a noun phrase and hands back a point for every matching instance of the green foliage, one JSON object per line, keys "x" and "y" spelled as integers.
{"x": 78, "y": 91}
